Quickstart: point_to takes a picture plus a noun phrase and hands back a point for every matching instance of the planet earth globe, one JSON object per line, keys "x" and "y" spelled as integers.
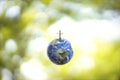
{"x": 60, "y": 51}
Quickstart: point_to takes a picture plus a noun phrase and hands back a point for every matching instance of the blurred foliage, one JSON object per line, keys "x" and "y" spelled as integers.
{"x": 112, "y": 4}
{"x": 37, "y": 15}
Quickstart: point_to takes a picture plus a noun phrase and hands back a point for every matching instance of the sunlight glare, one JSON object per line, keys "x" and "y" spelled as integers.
{"x": 10, "y": 45}
{"x": 36, "y": 45}
{"x": 33, "y": 70}
{"x": 83, "y": 35}
{"x": 86, "y": 62}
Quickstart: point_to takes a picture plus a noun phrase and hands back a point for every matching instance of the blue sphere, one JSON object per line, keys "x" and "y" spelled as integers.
{"x": 60, "y": 51}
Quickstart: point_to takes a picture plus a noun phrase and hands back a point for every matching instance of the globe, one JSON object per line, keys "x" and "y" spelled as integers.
{"x": 60, "y": 51}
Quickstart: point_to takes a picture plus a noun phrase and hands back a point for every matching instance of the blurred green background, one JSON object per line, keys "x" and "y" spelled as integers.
{"x": 27, "y": 27}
